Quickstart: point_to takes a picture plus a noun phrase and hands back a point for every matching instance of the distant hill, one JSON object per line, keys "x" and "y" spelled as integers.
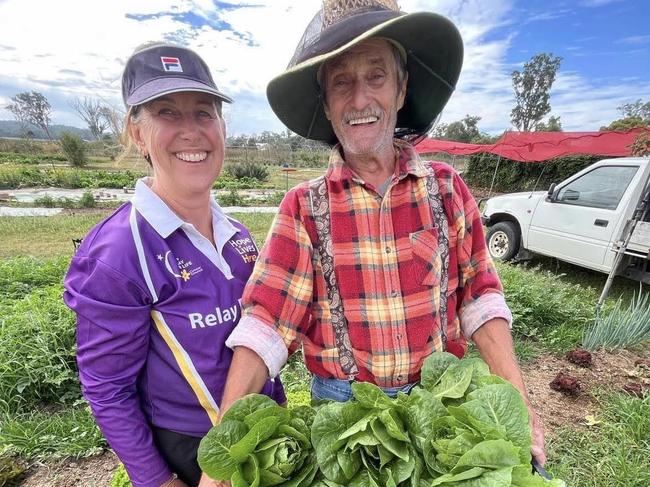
{"x": 11, "y": 128}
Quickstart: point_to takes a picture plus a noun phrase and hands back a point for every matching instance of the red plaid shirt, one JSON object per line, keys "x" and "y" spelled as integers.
{"x": 382, "y": 249}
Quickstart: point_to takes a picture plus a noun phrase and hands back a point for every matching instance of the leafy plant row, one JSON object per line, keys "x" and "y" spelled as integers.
{"x": 462, "y": 427}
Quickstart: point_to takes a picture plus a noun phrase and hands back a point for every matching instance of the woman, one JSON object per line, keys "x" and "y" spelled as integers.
{"x": 156, "y": 286}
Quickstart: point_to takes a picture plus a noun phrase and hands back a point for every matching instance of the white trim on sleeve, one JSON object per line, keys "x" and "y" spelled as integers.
{"x": 480, "y": 311}
{"x": 135, "y": 231}
{"x": 263, "y": 340}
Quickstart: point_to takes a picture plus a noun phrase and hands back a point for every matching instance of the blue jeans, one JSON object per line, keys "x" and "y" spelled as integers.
{"x": 341, "y": 390}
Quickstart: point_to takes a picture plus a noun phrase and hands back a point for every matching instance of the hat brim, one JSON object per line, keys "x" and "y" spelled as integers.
{"x": 434, "y": 50}
{"x": 164, "y": 86}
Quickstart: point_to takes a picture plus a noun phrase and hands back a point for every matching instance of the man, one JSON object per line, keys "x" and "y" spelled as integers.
{"x": 383, "y": 260}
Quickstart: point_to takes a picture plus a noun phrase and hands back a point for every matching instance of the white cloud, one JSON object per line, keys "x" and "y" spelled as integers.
{"x": 634, "y": 40}
{"x": 78, "y": 48}
{"x": 597, "y": 3}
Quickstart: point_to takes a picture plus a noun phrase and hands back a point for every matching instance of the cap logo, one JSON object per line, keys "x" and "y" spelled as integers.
{"x": 171, "y": 64}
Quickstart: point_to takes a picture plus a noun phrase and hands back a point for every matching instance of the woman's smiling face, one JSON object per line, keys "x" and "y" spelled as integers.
{"x": 184, "y": 135}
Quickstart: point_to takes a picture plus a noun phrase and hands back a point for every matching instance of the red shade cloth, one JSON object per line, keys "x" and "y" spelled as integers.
{"x": 541, "y": 146}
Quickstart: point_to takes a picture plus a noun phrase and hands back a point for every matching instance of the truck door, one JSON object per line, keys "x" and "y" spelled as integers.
{"x": 578, "y": 222}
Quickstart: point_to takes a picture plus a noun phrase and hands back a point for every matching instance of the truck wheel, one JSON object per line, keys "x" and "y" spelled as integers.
{"x": 503, "y": 240}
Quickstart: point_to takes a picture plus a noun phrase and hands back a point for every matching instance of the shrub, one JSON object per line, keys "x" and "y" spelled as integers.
{"x": 232, "y": 198}
{"x": 248, "y": 170}
{"x": 46, "y": 201}
{"x": 522, "y": 176}
{"x": 87, "y": 200}
{"x": 74, "y": 148}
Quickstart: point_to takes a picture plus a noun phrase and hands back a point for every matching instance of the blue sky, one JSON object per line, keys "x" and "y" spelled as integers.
{"x": 73, "y": 48}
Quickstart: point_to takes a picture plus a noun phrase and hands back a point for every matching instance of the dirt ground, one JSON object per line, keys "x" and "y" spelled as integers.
{"x": 609, "y": 371}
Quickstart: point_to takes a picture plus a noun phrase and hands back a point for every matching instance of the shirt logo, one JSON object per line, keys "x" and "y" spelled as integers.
{"x": 171, "y": 64}
{"x": 220, "y": 316}
{"x": 245, "y": 248}
{"x": 185, "y": 268}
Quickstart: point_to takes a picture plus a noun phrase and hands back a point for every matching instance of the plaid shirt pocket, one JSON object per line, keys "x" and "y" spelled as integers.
{"x": 427, "y": 261}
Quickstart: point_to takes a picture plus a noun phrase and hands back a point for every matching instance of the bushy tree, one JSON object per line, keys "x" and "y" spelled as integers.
{"x": 74, "y": 148}
{"x": 641, "y": 146}
{"x": 465, "y": 130}
{"x": 31, "y": 107}
{"x": 532, "y": 86}
{"x": 636, "y": 114}
{"x": 553, "y": 125}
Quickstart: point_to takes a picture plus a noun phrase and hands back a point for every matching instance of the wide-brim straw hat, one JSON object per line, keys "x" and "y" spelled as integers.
{"x": 434, "y": 56}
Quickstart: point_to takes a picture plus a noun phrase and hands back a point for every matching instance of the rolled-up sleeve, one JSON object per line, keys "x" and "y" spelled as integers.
{"x": 263, "y": 339}
{"x": 113, "y": 322}
{"x": 480, "y": 292}
{"x": 280, "y": 290}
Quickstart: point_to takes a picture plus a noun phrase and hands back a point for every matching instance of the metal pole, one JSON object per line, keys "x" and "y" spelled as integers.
{"x": 494, "y": 176}
{"x": 639, "y": 213}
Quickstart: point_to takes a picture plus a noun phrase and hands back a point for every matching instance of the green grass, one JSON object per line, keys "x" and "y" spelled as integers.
{"x": 586, "y": 278}
{"x": 613, "y": 453}
{"x": 283, "y": 180}
{"x": 45, "y": 237}
{"x": 257, "y": 223}
{"x": 41, "y": 434}
{"x": 37, "y": 356}
{"x": 547, "y": 311}
{"x": 21, "y": 275}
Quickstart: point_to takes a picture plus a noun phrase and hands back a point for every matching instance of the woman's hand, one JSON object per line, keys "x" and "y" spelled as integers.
{"x": 208, "y": 482}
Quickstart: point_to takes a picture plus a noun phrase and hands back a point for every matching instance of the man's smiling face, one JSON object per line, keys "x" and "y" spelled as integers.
{"x": 363, "y": 95}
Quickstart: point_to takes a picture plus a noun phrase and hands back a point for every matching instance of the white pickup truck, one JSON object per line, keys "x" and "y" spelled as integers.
{"x": 585, "y": 219}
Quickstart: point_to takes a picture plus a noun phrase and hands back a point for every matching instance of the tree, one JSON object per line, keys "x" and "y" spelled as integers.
{"x": 74, "y": 148}
{"x": 92, "y": 112}
{"x": 532, "y": 87}
{"x": 464, "y": 130}
{"x": 641, "y": 145}
{"x": 32, "y": 107}
{"x": 553, "y": 125}
{"x": 635, "y": 115}
{"x": 636, "y": 109}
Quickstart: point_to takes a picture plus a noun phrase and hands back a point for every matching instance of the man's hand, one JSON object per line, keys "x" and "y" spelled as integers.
{"x": 537, "y": 430}
{"x": 208, "y": 482}
{"x": 494, "y": 341}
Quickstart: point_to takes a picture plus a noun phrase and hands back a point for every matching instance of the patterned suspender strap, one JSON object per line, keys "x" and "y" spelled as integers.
{"x": 441, "y": 222}
{"x": 320, "y": 210}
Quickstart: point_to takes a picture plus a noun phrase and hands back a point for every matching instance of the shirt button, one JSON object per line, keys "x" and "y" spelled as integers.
{"x": 399, "y": 336}
{"x": 388, "y": 250}
{"x": 394, "y": 294}
{"x": 399, "y": 377}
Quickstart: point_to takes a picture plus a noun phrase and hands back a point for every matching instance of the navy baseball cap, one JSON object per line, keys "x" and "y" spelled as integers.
{"x": 165, "y": 68}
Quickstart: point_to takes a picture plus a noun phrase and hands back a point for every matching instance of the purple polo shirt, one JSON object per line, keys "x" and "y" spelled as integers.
{"x": 155, "y": 302}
